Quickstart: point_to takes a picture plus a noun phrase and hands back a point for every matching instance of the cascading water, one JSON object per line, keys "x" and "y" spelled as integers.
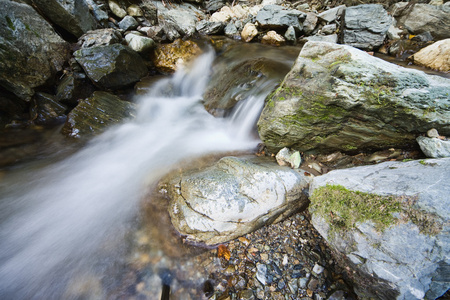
{"x": 55, "y": 221}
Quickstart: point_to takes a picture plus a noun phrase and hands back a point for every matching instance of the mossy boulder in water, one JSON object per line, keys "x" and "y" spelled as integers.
{"x": 30, "y": 51}
{"x": 337, "y": 97}
{"x": 96, "y": 113}
{"x": 388, "y": 225}
{"x": 111, "y": 67}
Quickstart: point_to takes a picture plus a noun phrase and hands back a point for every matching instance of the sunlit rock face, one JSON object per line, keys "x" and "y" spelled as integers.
{"x": 337, "y": 97}
{"x": 233, "y": 197}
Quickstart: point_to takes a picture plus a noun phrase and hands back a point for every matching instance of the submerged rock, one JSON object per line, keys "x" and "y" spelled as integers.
{"x": 340, "y": 98}
{"x": 94, "y": 114}
{"x": 111, "y": 67}
{"x": 30, "y": 51}
{"x": 389, "y": 224}
{"x": 233, "y": 197}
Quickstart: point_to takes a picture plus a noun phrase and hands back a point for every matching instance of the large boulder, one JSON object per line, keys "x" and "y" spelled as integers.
{"x": 30, "y": 51}
{"x": 278, "y": 17}
{"x": 436, "y": 56}
{"x": 72, "y": 15}
{"x": 421, "y": 18}
{"x": 337, "y": 97}
{"x": 96, "y": 113}
{"x": 111, "y": 67}
{"x": 388, "y": 224}
{"x": 233, "y": 197}
{"x": 365, "y": 26}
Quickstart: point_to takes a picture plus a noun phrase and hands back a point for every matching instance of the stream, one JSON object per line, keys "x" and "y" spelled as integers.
{"x": 69, "y": 219}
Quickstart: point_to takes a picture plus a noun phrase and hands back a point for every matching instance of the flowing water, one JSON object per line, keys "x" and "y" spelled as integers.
{"x": 69, "y": 218}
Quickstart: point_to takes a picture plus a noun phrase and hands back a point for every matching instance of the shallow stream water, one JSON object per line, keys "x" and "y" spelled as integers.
{"x": 69, "y": 219}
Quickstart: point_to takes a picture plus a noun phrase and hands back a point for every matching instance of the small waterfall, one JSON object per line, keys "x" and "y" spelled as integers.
{"x": 58, "y": 220}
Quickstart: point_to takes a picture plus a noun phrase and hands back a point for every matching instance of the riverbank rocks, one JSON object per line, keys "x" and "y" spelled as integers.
{"x": 30, "y": 51}
{"x": 421, "y": 18}
{"x": 340, "y": 98}
{"x": 182, "y": 17}
{"x": 233, "y": 197}
{"x": 111, "y": 67}
{"x": 365, "y": 26}
{"x": 278, "y": 17}
{"x": 139, "y": 43}
{"x": 434, "y": 147}
{"x": 94, "y": 114}
{"x": 72, "y": 15}
{"x": 168, "y": 58}
{"x": 100, "y": 37}
{"x": 389, "y": 225}
{"x": 436, "y": 56}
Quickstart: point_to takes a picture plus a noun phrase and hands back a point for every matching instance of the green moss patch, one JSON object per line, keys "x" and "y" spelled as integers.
{"x": 344, "y": 208}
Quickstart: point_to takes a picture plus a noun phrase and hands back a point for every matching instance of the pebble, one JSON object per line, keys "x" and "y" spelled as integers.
{"x": 261, "y": 273}
{"x": 318, "y": 269}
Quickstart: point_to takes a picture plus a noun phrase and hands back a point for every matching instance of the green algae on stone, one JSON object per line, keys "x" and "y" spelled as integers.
{"x": 344, "y": 208}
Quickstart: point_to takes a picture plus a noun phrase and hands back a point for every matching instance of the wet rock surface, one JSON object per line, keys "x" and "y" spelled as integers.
{"x": 169, "y": 57}
{"x": 25, "y": 34}
{"x": 111, "y": 67}
{"x": 94, "y": 114}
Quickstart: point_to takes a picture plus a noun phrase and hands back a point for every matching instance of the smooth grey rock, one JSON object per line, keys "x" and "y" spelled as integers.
{"x": 128, "y": 23}
{"x": 339, "y": 98}
{"x": 182, "y": 17}
{"x": 365, "y": 26}
{"x": 231, "y": 30}
{"x": 403, "y": 261}
{"x": 328, "y": 29}
{"x": 112, "y": 67}
{"x": 72, "y": 15}
{"x": 139, "y": 43}
{"x": 100, "y": 37}
{"x": 209, "y": 28}
{"x": 233, "y": 197}
{"x": 434, "y": 147}
{"x": 30, "y": 51}
{"x": 278, "y": 17}
{"x": 286, "y": 157}
{"x": 424, "y": 17}
{"x": 332, "y": 38}
{"x": 310, "y": 22}
{"x": 261, "y": 273}
{"x": 290, "y": 34}
{"x": 332, "y": 14}
{"x": 117, "y": 9}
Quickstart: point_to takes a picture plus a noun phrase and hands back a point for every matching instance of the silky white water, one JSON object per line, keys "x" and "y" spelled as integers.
{"x": 55, "y": 221}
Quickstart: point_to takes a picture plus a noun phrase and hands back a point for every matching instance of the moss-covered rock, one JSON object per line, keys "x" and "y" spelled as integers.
{"x": 337, "y": 97}
{"x": 388, "y": 224}
{"x": 113, "y": 66}
{"x": 96, "y": 113}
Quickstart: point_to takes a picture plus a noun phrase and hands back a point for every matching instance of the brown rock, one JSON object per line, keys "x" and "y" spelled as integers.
{"x": 273, "y": 38}
{"x": 249, "y": 32}
{"x": 435, "y": 56}
{"x": 169, "y": 57}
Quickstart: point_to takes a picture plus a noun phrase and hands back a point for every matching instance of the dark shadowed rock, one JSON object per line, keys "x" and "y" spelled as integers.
{"x": 72, "y": 15}
{"x": 389, "y": 225}
{"x": 337, "y": 97}
{"x": 233, "y": 197}
{"x": 96, "y": 113}
{"x": 111, "y": 67}
{"x": 73, "y": 87}
{"x": 365, "y": 26}
{"x": 30, "y": 51}
{"x": 46, "y": 110}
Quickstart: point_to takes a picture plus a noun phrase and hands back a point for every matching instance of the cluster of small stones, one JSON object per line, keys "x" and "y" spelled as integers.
{"x": 288, "y": 260}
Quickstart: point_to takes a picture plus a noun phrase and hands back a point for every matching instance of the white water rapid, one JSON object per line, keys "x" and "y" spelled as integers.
{"x": 55, "y": 220}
